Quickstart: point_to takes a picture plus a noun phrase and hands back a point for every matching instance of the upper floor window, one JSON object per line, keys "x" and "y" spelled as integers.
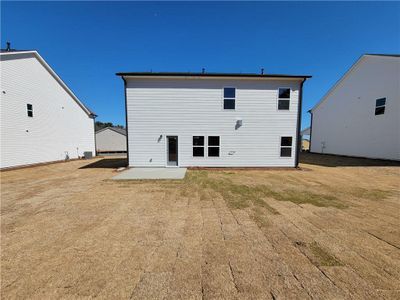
{"x": 198, "y": 146}
{"x": 229, "y": 98}
{"x": 286, "y": 146}
{"x": 29, "y": 110}
{"x": 213, "y": 146}
{"x": 380, "y": 106}
{"x": 283, "y": 98}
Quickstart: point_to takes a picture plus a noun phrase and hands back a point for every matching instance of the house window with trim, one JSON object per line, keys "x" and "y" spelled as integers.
{"x": 380, "y": 106}
{"x": 213, "y": 146}
{"x": 229, "y": 98}
{"x": 286, "y": 146}
{"x": 29, "y": 110}
{"x": 198, "y": 146}
{"x": 283, "y": 98}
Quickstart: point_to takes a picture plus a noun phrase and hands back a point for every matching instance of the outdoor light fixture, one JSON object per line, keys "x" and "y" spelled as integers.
{"x": 239, "y": 123}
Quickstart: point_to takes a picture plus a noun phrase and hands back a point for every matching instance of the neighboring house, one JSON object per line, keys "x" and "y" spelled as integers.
{"x": 360, "y": 115}
{"x": 305, "y": 142}
{"x": 41, "y": 118}
{"x": 213, "y": 120}
{"x": 111, "y": 140}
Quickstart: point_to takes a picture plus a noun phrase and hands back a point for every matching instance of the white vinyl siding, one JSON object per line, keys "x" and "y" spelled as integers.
{"x": 192, "y": 107}
{"x": 59, "y": 126}
{"x": 345, "y": 122}
{"x": 109, "y": 140}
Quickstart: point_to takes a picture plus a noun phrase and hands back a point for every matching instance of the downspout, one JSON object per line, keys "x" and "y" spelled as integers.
{"x": 298, "y": 146}
{"x": 94, "y": 128}
{"x": 126, "y": 123}
{"x": 311, "y": 123}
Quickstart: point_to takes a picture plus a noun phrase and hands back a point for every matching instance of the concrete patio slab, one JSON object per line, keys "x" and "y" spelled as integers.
{"x": 151, "y": 173}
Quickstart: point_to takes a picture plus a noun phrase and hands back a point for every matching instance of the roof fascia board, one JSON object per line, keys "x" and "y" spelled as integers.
{"x": 211, "y": 77}
{"x": 383, "y": 55}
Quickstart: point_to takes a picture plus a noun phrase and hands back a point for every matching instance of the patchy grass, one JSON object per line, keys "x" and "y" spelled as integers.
{"x": 317, "y": 255}
{"x": 237, "y": 196}
{"x": 370, "y": 194}
{"x": 144, "y": 239}
{"x": 307, "y": 197}
{"x": 322, "y": 257}
{"x": 240, "y": 196}
{"x": 259, "y": 217}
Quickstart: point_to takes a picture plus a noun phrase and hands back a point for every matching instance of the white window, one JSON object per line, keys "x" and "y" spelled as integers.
{"x": 29, "y": 110}
{"x": 380, "y": 105}
{"x": 286, "y": 146}
{"x": 198, "y": 146}
{"x": 213, "y": 146}
{"x": 283, "y": 98}
{"x": 229, "y": 98}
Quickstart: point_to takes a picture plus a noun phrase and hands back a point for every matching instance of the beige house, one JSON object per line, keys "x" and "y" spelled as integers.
{"x": 111, "y": 140}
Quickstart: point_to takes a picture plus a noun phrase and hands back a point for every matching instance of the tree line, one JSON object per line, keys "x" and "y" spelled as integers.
{"x": 100, "y": 125}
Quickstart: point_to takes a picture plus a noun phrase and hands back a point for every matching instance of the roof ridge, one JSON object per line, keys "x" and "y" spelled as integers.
{"x": 113, "y": 128}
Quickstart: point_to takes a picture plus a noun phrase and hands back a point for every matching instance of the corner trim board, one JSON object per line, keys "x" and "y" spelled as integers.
{"x": 126, "y": 122}
{"x": 311, "y": 124}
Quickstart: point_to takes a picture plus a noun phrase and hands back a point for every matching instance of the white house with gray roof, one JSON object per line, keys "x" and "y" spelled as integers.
{"x": 213, "y": 119}
{"x": 360, "y": 115}
{"x": 41, "y": 118}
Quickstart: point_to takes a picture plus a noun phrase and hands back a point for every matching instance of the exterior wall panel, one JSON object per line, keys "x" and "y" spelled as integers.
{"x": 108, "y": 140}
{"x": 188, "y": 107}
{"x": 345, "y": 123}
{"x": 59, "y": 127}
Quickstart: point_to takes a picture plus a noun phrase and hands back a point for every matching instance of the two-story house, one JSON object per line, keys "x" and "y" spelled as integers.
{"x": 360, "y": 115}
{"x": 213, "y": 119}
{"x": 41, "y": 119}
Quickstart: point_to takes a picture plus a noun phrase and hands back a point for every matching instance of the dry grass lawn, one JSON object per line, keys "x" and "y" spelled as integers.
{"x": 328, "y": 231}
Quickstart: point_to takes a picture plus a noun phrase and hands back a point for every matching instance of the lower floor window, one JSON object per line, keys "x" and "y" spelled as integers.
{"x": 198, "y": 146}
{"x": 213, "y": 146}
{"x": 286, "y": 146}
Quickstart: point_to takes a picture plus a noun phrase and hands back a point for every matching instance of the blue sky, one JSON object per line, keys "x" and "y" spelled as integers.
{"x": 88, "y": 42}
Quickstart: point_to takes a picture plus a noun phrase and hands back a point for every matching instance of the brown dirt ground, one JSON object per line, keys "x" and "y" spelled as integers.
{"x": 328, "y": 231}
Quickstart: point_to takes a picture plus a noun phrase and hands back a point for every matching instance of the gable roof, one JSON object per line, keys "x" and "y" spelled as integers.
{"x": 213, "y": 75}
{"x": 353, "y": 67}
{"x": 19, "y": 53}
{"x": 116, "y": 129}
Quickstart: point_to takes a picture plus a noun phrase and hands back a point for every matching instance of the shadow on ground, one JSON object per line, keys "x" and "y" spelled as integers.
{"x": 107, "y": 163}
{"x": 327, "y": 160}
